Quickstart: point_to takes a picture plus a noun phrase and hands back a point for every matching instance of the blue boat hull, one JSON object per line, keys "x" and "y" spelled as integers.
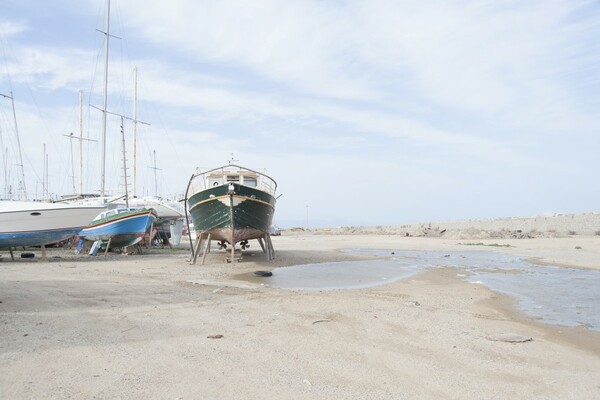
{"x": 35, "y": 238}
{"x": 122, "y": 231}
{"x": 32, "y": 223}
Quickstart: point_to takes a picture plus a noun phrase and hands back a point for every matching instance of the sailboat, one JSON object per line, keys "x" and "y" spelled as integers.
{"x": 170, "y": 213}
{"x": 36, "y": 223}
{"x": 120, "y": 227}
{"x": 123, "y": 226}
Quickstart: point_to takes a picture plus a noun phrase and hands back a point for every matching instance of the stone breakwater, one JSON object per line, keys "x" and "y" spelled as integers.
{"x": 513, "y": 227}
{"x": 563, "y": 224}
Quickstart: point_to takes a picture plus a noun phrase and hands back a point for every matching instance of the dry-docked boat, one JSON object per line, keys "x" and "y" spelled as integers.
{"x": 120, "y": 227}
{"x": 34, "y": 223}
{"x": 231, "y": 204}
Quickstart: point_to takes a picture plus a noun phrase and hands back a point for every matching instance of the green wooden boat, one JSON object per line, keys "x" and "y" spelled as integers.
{"x": 231, "y": 204}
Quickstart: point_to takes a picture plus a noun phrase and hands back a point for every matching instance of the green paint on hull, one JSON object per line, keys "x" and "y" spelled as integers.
{"x": 250, "y": 217}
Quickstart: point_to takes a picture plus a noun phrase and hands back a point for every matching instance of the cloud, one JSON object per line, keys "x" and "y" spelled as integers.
{"x": 504, "y": 61}
{"x": 297, "y": 44}
{"x": 51, "y": 68}
{"x": 439, "y": 98}
{"x": 10, "y": 28}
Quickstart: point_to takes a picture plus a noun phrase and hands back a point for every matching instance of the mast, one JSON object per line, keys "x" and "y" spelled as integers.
{"x": 134, "y": 130}
{"x": 19, "y": 146}
{"x": 5, "y": 163}
{"x": 44, "y": 174}
{"x": 155, "y": 180}
{"x": 80, "y": 142}
{"x": 72, "y": 164}
{"x": 22, "y": 185}
{"x": 155, "y": 184}
{"x": 107, "y": 35}
{"x": 135, "y": 122}
{"x": 8, "y": 188}
{"x": 47, "y": 181}
{"x": 80, "y": 139}
{"x": 124, "y": 163}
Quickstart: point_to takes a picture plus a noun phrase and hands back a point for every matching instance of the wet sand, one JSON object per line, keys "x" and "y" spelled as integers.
{"x": 150, "y": 327}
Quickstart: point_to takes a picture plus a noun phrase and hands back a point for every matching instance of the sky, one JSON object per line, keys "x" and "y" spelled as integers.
{"x": 365, "y": 112}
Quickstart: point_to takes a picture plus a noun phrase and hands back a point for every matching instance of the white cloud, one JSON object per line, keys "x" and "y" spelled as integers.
{"x": 11, "y": 28}
{"x": 449, "y": 97}
{"x": 51, "y": 68}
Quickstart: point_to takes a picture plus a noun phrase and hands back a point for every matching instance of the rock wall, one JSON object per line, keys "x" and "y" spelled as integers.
{"x": 564, "y": 224}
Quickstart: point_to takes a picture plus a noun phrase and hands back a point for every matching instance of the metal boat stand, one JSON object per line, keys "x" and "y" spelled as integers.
{"x": 232, "y": 256}
{"x": 203, "y": 243}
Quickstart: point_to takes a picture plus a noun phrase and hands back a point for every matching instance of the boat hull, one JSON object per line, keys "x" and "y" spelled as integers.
{"x": 167, "y": 211}
{"x": 122, "y": 230}
{"x": 30, "y": 223}
{"x": 232, "y": 215}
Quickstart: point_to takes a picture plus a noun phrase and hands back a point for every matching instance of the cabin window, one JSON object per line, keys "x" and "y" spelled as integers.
{"x": 233, "y": 178}
{"x": 215, "y": 181}
{"x": 105, "y": 214}
{"x": 250, "y": 181}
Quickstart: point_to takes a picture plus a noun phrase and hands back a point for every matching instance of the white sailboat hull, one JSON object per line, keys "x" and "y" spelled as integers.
{"x": 31, "y": 223}
{"x": 166, "y": 210}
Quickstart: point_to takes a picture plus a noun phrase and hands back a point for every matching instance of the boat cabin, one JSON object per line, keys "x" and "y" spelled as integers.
{"x": 114, "y": 211}
{"x": 232, "y": 174}
{"x": 245, "y": 178}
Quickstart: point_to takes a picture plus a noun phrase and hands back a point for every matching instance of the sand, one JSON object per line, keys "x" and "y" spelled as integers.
{"x": 155, "y": 327}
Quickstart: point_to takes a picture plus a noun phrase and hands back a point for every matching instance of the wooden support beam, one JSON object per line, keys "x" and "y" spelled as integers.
{"x": 107, "y": 246}
{"x": 196, "y": 250}
{"x": 44, "y": 256}
{"x": 270, "y": 247}
{"x": 206, "y": 249}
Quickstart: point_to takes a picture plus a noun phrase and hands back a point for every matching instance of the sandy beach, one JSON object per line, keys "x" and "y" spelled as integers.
{"x": 154, "y": 327}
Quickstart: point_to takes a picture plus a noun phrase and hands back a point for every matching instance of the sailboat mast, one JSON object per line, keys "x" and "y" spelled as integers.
{"x": 134, "y": 130}
{"x": 46, "y": 160}
{"x": 44, "y": 174}
{"x": 124, "y": 162}
{"x": 72, "y": 164}
{"x": 155, "y": 181}
{"x": 80, "y": 141}
{"x": 105, "y": 101}
{"x": 5, "y": 162}
{"x": 19, "y": 146}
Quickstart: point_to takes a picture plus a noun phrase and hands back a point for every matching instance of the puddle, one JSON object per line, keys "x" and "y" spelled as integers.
{"x": 555, "y": 295}
{"x": 341, "y": 275}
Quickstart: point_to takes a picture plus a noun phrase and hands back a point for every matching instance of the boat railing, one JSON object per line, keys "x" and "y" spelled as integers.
{"x": 267, "y": 185}
{"x": 202, "y": 180}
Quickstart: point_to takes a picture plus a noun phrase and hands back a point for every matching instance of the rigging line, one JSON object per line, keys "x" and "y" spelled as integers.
{"x": 23, "y": 183}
